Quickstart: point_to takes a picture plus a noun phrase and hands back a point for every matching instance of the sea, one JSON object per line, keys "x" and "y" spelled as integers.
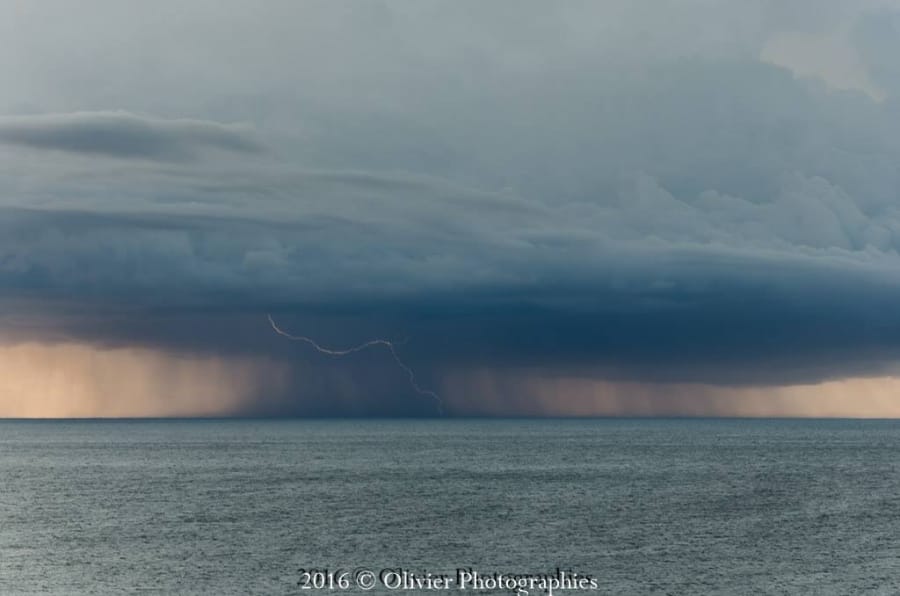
{"x": 638, "y": 506}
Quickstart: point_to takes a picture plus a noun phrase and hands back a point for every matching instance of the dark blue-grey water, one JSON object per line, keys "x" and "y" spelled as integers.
{"x": 645, "y": 506}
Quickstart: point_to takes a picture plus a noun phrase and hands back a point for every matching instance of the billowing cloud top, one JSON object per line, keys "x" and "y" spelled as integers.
{"x": 674, "y": 192}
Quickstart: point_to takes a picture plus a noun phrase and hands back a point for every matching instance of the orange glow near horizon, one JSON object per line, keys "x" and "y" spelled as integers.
{"x": 526, "y": 393}
{"x": 73, "y": 380}
{"x": 78, "y": 380}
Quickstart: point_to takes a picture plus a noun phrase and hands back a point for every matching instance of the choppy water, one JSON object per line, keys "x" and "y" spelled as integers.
{"x": 647, "y": 507}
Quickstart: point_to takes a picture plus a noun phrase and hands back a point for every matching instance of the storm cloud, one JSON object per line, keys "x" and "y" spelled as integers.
{"x": 605, "y": 193}
{"x": 124, "y": 135}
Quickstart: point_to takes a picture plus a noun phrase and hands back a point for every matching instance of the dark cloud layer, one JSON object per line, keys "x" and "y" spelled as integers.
{"x": 592, "y": 190}
{"x": 124, "y": 135}
{"x": 685, "y": 313}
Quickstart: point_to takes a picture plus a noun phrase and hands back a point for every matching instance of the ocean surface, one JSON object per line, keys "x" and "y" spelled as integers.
{"x": 644, "y": 506}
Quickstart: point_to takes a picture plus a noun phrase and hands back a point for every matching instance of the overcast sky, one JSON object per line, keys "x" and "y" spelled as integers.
{"x": 574, "y": 208}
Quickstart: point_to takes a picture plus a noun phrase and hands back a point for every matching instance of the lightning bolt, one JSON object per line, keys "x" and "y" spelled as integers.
{"x": 391, "y": 347}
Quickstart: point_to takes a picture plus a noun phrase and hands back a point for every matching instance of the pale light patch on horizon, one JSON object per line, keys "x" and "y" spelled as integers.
{"x": 528, "y": 393}
{"x": 830, "y": 57}
{"x": 75, "y": 380}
